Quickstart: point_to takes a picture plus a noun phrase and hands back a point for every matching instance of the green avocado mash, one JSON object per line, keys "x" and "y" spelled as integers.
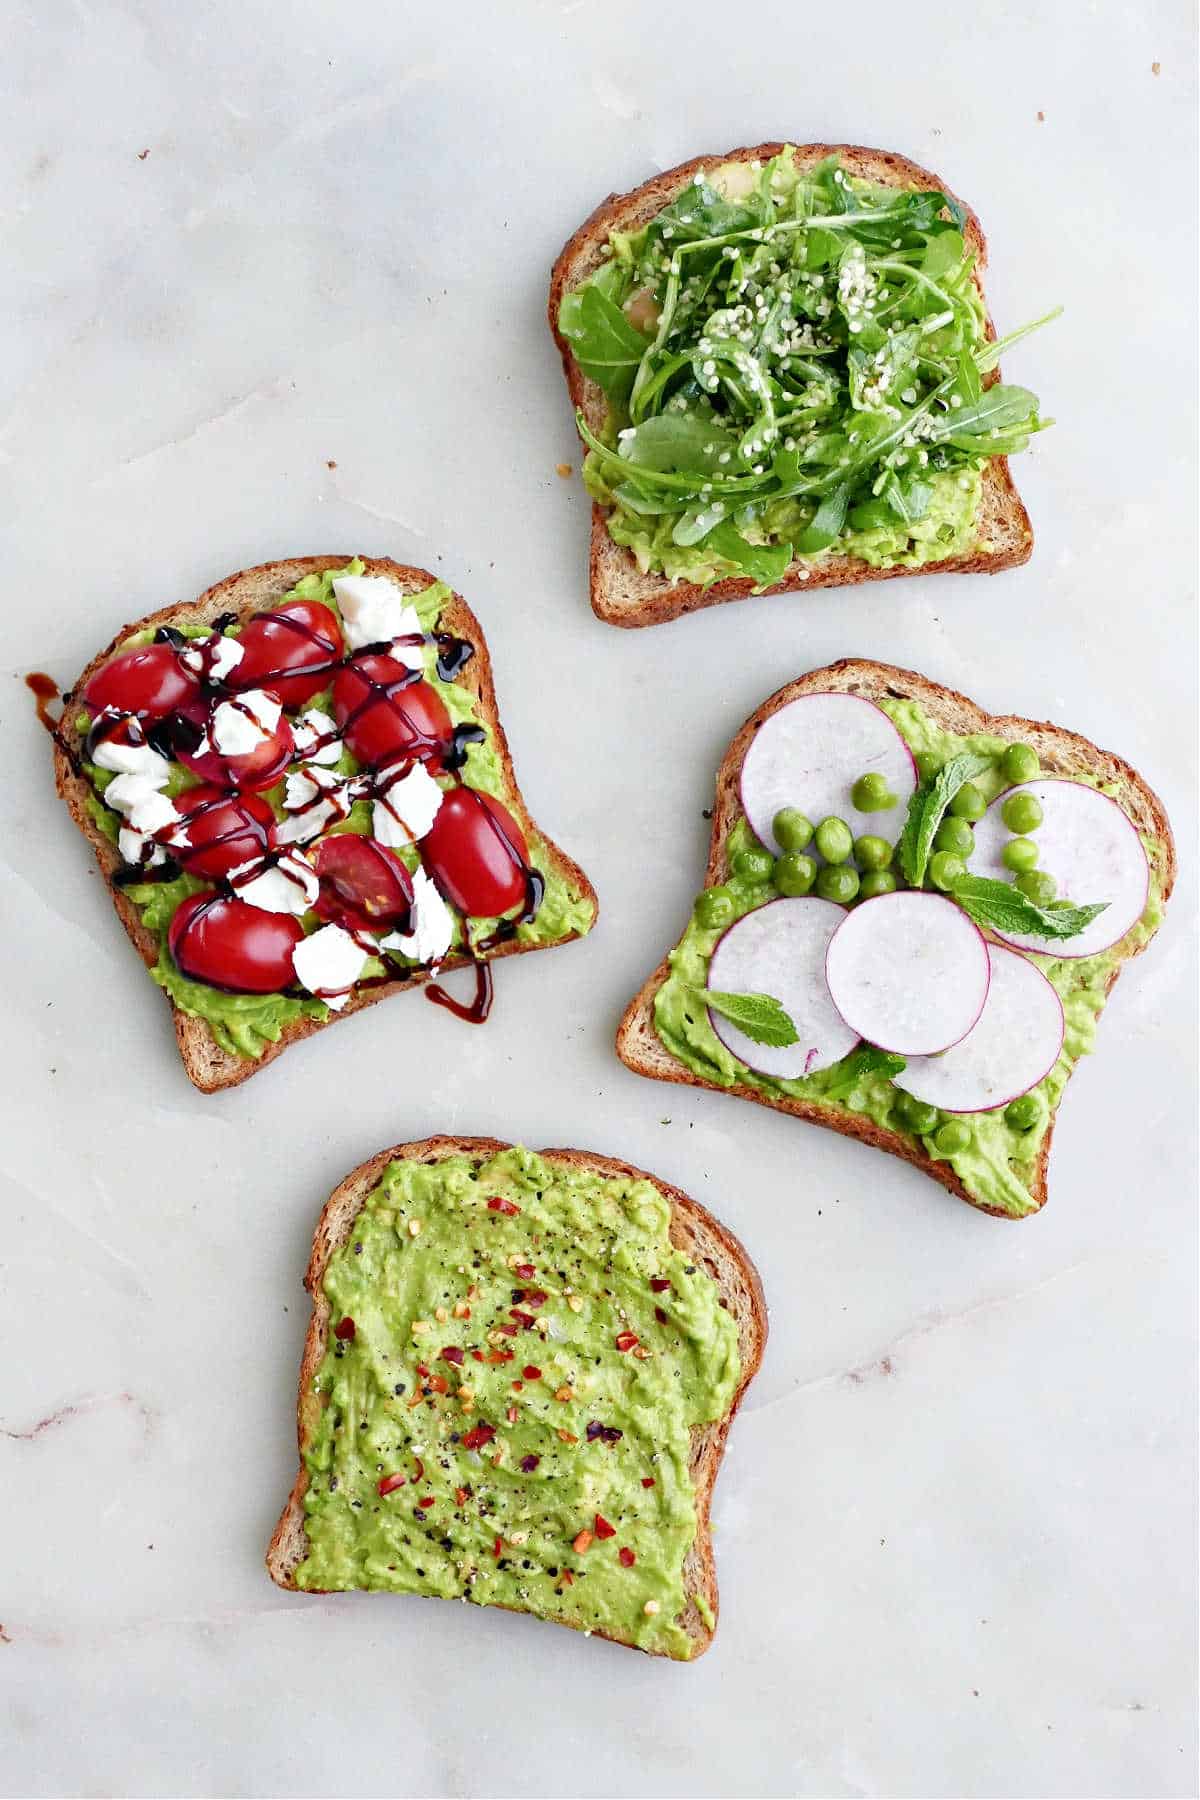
{"x": 998, "y": 1165}
{"x": 794, "y": 364}
{"x": 513, "y": 1438}
{"x": 246, "y": 1024}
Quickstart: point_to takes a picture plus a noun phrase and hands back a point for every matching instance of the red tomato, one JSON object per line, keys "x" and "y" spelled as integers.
{"x": 363, "y": 886}
{"x": 225, "y": 829}
{"x": 293, "y": 649}
{"x": 150, "y": 681}
{"x": 231, "y": 944}
{"x": 259, "y": 768}
{"x": 476, "y": 854}
{"x": 385, "y": 714}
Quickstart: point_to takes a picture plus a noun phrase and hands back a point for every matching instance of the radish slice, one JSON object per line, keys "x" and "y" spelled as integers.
{"x": 810, "y": 753}
{"x": 908, "y": 972}
{"x": 780, "y": 949}
{"x": 1090, "y": 847}
{"x": 1014, "y": 1045}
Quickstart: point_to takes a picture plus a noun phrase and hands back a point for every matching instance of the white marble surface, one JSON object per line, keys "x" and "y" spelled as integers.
{"x": 243, "y": 242}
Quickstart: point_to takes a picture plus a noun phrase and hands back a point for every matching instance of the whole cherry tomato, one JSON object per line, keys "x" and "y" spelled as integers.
{"x": 363, "y": 886}
{"x": 294, "y": 650}
{"x": 385, "y": 713}
{"x": 257, "y": 769}
{"x": 476, "y": 854}
{"x": 224, "y": 830}
{"x": 231, "y": 944}
{"x": 150, "y": 681}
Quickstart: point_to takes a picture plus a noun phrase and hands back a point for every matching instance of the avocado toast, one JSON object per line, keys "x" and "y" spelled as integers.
{"x": 785, "y": 375}
{"x": 986, "y": 1134}
{"x": 545, "y": 1433}
{"x": 301, "y": 798}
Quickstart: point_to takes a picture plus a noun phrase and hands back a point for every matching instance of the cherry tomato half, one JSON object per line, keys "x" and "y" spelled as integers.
{"x": 150, "y": 681}
{"x": 231, "y": 944}
{"x": 294, "y": 650}
{"x": 363, "y": 886}
{"x": 385, "y": 714}
{"x": 476, "y": 854}
{"x": 224, "y": 830}
{"x": 259, "y": 768}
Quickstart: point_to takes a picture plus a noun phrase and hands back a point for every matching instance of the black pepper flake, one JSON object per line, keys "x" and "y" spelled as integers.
{"x": 399, "y": 1387}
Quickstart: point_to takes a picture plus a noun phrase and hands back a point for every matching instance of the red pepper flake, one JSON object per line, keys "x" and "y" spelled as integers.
{"x": 498, "y": 1356}
{"x": 390, "y": 1482}
{"x": 526, "y": 1269}
{"x": 478, "y": 1355}
{"x": 497, "y": 1547}
{"x": 625, "y": 1340}
{"x": 524, "y": 1319}
{"x": 659, "y": 1286}
{"x": 567, "y": 1578}
{"x": 647, "y": 1481}
{"x": 427, "y": 1501}
{"x": 420, "y": 1469}
{"x": 460, "y": 1496}
{"x": 478, "y": 1436}
{"x": 530, "y": 1463}
{"x": 438, "y": 1384}
{"x": 518, "y": 1387}
{"x": 626, "y": 1557}
{"x": 660, "y": 1315}
{"x": 581, "y": 1543}
{"x": 603, "y": 1528}
{"x": 452, "y": 1354}
{"x": 510, "y": 1330}
{"x": 345, "y": 1329}
{"x": 531, "y": 1372}
{"x": 498, "y": 1204}
{"x": 536, "y": 1296}
{"x": 512, "y": 1415}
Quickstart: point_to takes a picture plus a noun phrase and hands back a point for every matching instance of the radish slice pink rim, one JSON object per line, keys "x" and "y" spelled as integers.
{"x": 1015, "y": 1044}
{"x": 909, "y": 972}
{"x": 809, "y": 753}
{"x": 779, "y": 949}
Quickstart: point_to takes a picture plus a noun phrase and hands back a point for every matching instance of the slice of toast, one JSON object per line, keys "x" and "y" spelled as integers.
{"x": 620, "y": 593}
{"x": 208, "y": 1064}
{"x": 692, "y": 1230}
{"x": 1061, "y": 752}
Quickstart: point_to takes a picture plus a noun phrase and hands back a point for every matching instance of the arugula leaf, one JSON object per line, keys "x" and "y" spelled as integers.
{"x": 927, "y": 808}
{"x": 764, "y": 563}
{"x": 675, "y": 441}
{"x": 827, "y": 522}
{"x": 606, "y": 346}
{"x": 866, "y": 1060}
{"x": 1000, "y": 408}
{"x": 1006, "y": 908}
{"x": 761, "y": 1018}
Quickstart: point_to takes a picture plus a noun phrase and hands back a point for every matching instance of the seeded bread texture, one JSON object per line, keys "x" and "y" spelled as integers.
{"x": 692, "y": 1229}
{"x": 620, "y": 593}
{"x": 248, "y": 592}
{"x": 1061, "y": 752}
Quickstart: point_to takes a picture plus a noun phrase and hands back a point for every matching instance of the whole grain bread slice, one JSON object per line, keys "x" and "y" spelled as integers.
{"x": 692, "y": 1229}
{"x": 1061, "y": 752}
{"x": 621, "y": 593}
{"x": 249, "y": 591}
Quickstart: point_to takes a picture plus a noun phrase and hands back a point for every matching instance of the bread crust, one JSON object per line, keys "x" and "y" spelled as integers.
{"x": 245, "y": 593}
{"x": 692, "y": 1228}
{"x": 1061, "y": 752}
{"x": 620, "y": 593}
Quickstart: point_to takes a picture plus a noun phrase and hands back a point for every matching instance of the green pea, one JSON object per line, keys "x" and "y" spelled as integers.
{"x": 952, "y": 1138}
{"x": 1038, "y": 886}
{"x": 1019, "y": 763}
{"x": 835, "y": 840}
{"x": 792, "y": 830}
{"x": 753, "y": 865}
{"x": 876, "y": 882}
{"x": 1022, "y": 813}
{"x": 795, "y": 873}
{"x": 1023, "y": 1113}
{"x": 955, "y": 835}
{"x": 837, "y": 881}
{"x": 872, "y": 852}
{"x": 945, "y": 869}
{"x": 714, "y": 908}
{"x": 968, "y": 803}
{"x": 915, "y": 1115}
{"x": 871, "y": 793}
{"x": 928, "y": 764}
{"x": 1020, "y": 854}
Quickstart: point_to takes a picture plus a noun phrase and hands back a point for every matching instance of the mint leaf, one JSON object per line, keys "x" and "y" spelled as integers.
{"x": 1006, "y": 908}
{"x": 865, "y": 1061}
{"x": 927, "y": 808}
{"x": 760, "y": 1017}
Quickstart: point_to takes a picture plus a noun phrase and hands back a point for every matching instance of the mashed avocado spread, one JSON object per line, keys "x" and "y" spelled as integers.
{"x": 517, "y": 1355}
{"x": 794, "y": 363}
{"x": 998, "y": 1166}
{"x": 245, "y": 1024}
